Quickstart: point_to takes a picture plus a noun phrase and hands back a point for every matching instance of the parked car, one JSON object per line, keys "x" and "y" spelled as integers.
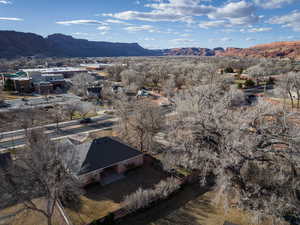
{"x": 86, "y": 120}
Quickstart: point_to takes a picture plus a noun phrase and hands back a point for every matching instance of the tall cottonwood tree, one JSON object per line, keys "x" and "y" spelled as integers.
{"x": 253, "y": 152}
{"x": 40, "y": 173}
{"x": 81, "y": 82}
{"x": 139, "y": 123}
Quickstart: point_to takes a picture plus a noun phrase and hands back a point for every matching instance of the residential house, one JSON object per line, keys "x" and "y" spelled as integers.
{"x": 103, "y": 160}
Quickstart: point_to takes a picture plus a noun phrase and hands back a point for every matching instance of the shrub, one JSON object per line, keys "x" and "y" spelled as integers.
{"x": 229, "y": 70}
{"x": 271, "y": 81}
{"x": 143, "y": 198}
{"x": 249, "y": 83}
{"x": 9, "y": 85}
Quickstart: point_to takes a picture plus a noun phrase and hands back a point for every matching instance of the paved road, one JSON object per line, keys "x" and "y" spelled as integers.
{"x": 4, "y": 145}
{"x": 11, "y": 134}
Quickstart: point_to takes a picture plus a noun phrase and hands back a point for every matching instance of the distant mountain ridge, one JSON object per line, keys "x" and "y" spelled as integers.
{"x": 272, "y": 50}
{"x": 17, "y": 44}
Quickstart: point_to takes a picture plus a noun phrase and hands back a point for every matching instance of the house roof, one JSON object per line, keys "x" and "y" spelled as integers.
{"x": 5, "y": 159}
{"x": 14, "y": 75}
{"x": 104, "y": 152}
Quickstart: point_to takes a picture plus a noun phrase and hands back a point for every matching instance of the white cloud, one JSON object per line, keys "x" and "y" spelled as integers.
{"x": 80, "y": 34}
{"x": 149, "y": 39}
{"x": 5, "y": 2}
{"x": 103, "y": 28}
{"x": 291, "y": 20}
{"x": 116, "y": 21}
{"x": 250, "y": 39}
{"x": 256, "y": 30}
{"x": 238, "y": 13}
{"x": 171, "y": 10}
{"x": 11, "y": 19}
{"x": 272, "y": 4}
{"x": 185, "y": 35}
{"x": 182, "y": 42}
{"x": 221, "y": 40}
{"x": 81, "y": 22}
{"x": 153, "y": 16}
{"x": 148, "y": 28}
{"x": 183, "y": 7}
{"x": 103, "y": 33}
{"x": 215, "y": 23}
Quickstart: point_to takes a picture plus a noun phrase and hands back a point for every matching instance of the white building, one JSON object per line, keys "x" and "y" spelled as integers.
{"x": 66, "y": 71}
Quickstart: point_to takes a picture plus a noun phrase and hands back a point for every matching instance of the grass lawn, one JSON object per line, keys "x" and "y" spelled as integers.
{"x": 14, "y": 215}
{"x": 91, "y": 209}
{"x": 99, "y": 200}
{"x": 103, "y": 74}
{"x": 240, "y": 81}
{"x": 77, "y": 116}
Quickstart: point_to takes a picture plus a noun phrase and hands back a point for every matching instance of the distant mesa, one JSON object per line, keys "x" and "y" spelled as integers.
{"x": 272, "y": 50}
{"x": 17, "y": 44}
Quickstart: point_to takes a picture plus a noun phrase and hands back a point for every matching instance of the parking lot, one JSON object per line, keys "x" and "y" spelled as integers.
{"x": 42, "y": 101}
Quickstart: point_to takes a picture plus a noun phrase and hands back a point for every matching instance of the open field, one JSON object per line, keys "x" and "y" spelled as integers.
{"x": 99, "y": 201}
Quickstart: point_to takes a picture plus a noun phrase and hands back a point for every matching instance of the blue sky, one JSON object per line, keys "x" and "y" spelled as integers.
{"x": 158, "y": 23}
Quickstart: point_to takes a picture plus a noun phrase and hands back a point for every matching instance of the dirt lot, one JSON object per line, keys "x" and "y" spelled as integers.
{"x": 99, "y": 201}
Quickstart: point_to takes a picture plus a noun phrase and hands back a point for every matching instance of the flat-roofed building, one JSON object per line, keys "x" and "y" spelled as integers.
{"x": 43, "y": 87}
{"x": 66, "y": 71}
{"x": 99, "y": 66}
{"x": 22, "y": 84}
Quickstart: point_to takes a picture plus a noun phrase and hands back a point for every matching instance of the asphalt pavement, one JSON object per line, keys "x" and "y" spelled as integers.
{"x": 101, "y": 123}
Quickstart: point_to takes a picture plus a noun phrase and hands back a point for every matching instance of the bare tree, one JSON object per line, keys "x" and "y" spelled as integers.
{"x": 26, "y": 118}
{"x": 286, "y": 85}
{"x": 81, "y": 82}
{"x": 139, "y": 123}
{"x": 58, "y": 115}
{"x": 132, "y": 79}
{"x": 251, "y": 151}
{"x": 40, "y": 172}
{"x": 70, "y": 109}
{"x": 115, "y": 71}
{"x": 84, "y": 108}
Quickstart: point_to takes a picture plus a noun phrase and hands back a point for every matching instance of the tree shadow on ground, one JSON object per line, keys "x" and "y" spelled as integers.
{"x": 171, "y": 211}
{"x": 145, "y": 177}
